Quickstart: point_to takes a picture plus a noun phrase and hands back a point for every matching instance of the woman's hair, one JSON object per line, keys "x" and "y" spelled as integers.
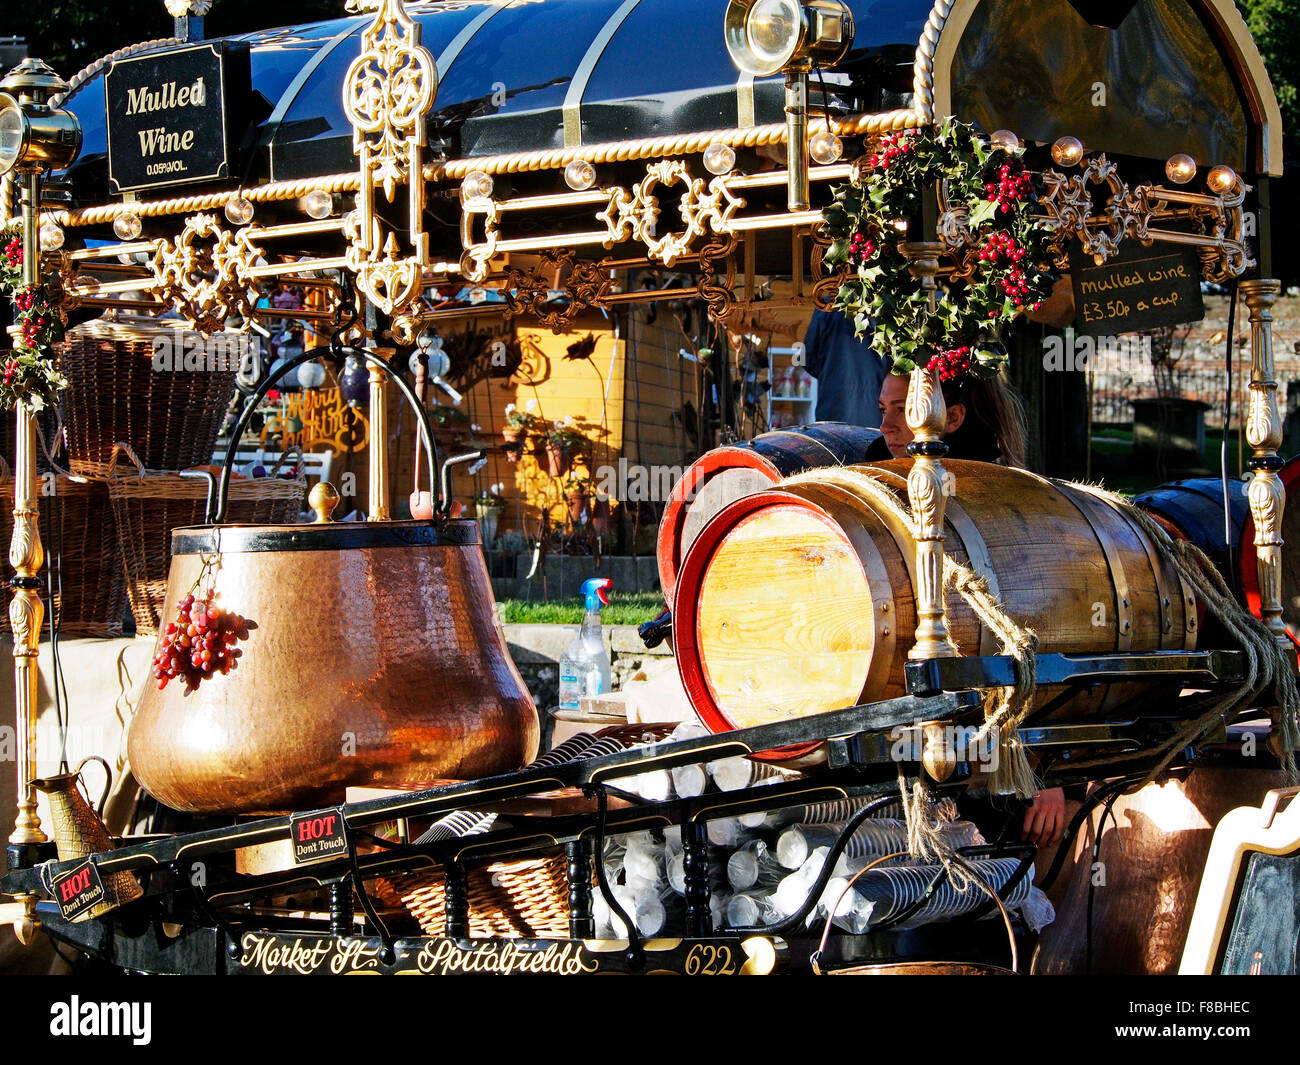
{"x": 994, "y": 426}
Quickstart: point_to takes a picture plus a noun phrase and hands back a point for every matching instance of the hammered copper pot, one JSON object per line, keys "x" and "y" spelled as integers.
{"x": 374, "y": 657}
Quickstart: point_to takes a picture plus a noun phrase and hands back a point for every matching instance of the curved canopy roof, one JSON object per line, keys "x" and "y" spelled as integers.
{"x": 541, "y": 74}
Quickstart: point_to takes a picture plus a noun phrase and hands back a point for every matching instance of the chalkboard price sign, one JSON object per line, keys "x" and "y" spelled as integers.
{"x": 1140, "y": 288}
{"x": 168, "y": 117}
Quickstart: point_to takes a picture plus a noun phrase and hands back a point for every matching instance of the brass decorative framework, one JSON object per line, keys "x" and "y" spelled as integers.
{"x": 388, "y": 90}
{"x": 205, "y": 274}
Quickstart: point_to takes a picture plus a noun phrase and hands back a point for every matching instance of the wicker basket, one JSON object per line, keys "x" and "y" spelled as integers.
{"x": 526, "y": 899}
{"x": 76, "y": 525}
{"x": 147, "y": 506}
{"x": 169, "y": 417}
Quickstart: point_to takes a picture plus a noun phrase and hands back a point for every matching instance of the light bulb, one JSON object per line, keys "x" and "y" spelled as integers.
{"x": 477, "y": 186}
{"x": 580, "y": 175}
{"x": 311, "y": 375}
{"x": 1067, "y": 151}
{"x": 127, "y": 226}
{"x": 825, "y": 147}
{"x": 719, "y": 158}
{"x": 1180, "y": 169}
{"x": 1222, "y": 179}
{"x": 1006, "y": 140}
{"x": 239, "y": 211}
{"x": 51, "y": 234}
{"x": 318, "y": 204}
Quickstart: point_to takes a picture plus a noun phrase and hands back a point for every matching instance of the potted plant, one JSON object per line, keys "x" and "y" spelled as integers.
{"x": 518, "y": 424}
{"x": 559, "y": 444}
{"x": 577, "y": 494}
{"x": 601, "y": 512}
{"x": 488, "y": 507}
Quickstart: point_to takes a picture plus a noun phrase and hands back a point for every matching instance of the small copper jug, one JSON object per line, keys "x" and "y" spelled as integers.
{"x": 80, "y": 831}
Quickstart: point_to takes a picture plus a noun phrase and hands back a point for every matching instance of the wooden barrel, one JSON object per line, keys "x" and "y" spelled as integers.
{"x": 727, "y": 473}
{"x": 1193, "y": 510}
{"x": 800, "y": 600}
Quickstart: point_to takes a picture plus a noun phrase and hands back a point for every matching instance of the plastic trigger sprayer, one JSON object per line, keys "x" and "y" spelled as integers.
{"x": 585, "y": 667}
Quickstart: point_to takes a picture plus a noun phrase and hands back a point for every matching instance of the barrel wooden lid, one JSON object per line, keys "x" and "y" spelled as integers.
{"x": 776, "y": 630}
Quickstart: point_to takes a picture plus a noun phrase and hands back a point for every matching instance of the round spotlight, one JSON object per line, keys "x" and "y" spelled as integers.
{"x": 1067, "y": 151}
{"x": 580, "y": 175}
{"x": 33, "y": 135}
{"x": 719, "y": 158}
{"x": 318, "y": 204}
{"x": 239, "y": 211}
{"x": 768, "y": 36}
{"x": 127, "y": 226}
{"x": 51, "y": 236}
{"x": 1006, "y": 140}
{"x": 1180, "y": 169}
{"x": 1222, "y": 180}
{"x": 476, "y": 187}
{"x": 13, "y": 132}
{"x": 825, "y": 147}
{"x": 773, "y": 29}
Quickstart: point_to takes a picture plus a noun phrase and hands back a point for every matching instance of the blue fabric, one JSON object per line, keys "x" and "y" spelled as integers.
{"x": 849, "y": 372}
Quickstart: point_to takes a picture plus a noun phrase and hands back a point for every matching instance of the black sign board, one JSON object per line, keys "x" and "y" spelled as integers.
{"x": 317, "y": 835}
{"x": 1140, "y": 288}
{"x": 77, "y": 890}
{"x": 168, "y": 117}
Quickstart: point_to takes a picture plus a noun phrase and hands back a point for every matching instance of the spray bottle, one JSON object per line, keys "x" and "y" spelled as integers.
{"x": 585, "y": 667}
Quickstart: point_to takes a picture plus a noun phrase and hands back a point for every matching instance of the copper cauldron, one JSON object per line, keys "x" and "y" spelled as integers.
{"x": 374, "y": 656}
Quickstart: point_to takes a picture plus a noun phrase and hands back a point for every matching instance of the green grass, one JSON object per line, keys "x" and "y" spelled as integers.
{"x": 625, "y": 608}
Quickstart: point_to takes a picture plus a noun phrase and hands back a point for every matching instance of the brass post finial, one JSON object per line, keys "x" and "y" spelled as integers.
{"x": 323, "y": 498}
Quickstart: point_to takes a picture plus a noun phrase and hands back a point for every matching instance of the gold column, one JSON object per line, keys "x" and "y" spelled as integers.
{"x": 926, "y": 415}
{"x": 1264, "y": 434}
{"x": 26, "y": 555}
{"x": 379, "y": 510}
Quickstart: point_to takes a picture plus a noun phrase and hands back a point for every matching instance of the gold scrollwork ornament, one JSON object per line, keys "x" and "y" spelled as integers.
{"x": 204, "y": 274}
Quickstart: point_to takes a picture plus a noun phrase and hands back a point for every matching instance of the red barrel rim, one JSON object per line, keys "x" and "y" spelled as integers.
{"x": 1246, "y": 553}
{"x": 690, "y": 666}
{"x": 671, "y": 525}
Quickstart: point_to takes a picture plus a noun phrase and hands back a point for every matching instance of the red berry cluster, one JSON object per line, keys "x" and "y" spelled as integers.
{"x": 12, "y": 366}
{"x": 199, "y": 643}
{"x": 892, "y": 146}
{"x": 30, "y": 317}
{"x": 861, "y": 248}
{"x": 14, "y": 253}
{"x": 1011, "y": 187}
{"x": 1001, "y": 249}
{"x": 952, "y": 364}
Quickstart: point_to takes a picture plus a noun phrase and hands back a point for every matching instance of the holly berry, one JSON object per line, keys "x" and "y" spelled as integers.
{"x": 952, "y": 364}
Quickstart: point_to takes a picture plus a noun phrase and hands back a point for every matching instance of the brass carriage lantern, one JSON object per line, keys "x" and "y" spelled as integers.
{"x": 766, "y": 37}
{"x": 35, "y": 139}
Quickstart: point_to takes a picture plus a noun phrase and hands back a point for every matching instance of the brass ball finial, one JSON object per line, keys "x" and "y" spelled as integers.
{"x": 323, "y": 498}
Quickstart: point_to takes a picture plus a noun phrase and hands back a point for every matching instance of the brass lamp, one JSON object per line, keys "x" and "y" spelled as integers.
{"x": 766, "y": 37}
{"x": 34, "y": 139}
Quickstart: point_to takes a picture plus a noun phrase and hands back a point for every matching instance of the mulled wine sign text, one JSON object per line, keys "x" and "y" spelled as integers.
{"x": 168, "y": 122}
{"x": 1140, "y": 288}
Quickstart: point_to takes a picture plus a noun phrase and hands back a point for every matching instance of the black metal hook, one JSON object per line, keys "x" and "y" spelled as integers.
{"x": 217, "y": 517}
